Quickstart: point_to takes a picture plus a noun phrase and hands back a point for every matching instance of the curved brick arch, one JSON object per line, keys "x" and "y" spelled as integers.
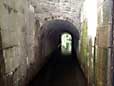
{"x": 59, "y": 17}
{"x": 49, "y": 41}
{"x": 50, "y": 33}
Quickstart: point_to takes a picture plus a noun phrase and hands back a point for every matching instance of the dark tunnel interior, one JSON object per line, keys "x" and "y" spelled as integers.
{"x": 59, "y": 69}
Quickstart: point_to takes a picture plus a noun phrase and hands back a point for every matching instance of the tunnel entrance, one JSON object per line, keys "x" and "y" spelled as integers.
{"x": 58, "y": 46}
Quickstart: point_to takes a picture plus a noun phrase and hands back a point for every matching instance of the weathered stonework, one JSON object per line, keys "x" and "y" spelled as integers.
{"x": 103, "y": 43}
{"x": 58, "y": 9}
{"x": 98, "y": 58}
{"x": 20, "y": 21}
{"x": 17, "y": 25}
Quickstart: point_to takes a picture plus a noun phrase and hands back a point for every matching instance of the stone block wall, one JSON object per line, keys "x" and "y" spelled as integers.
{"x": 17, "y": 32}
{"x": 103, "y": 43}
{"x": 20, "y": 22}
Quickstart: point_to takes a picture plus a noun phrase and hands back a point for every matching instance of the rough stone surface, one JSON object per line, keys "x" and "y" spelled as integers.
{"x": 103, "y": 43}
{"x": 59, "y": 9}
{"x": 19, "y": 32}
{"x": 98, "y": 69}
{"x": 17, "y": 25}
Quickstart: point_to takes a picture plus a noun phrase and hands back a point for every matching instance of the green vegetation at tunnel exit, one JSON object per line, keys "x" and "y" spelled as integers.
{"x": 66, "y": 43}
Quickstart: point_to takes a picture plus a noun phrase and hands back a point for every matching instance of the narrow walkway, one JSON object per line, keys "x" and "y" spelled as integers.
{"x": 60, "y": 70}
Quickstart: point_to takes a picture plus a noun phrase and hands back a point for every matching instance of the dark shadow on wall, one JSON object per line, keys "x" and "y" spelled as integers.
{"x": 2, "y": 63}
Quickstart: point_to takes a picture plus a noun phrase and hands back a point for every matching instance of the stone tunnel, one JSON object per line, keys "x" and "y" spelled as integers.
{"x": 33, "y": 34}
{"x": 59, "y": 68}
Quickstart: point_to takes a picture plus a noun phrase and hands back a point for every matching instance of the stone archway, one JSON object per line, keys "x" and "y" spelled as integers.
{"x": 53, "y": 61}
{"x": 51, "y": 31}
